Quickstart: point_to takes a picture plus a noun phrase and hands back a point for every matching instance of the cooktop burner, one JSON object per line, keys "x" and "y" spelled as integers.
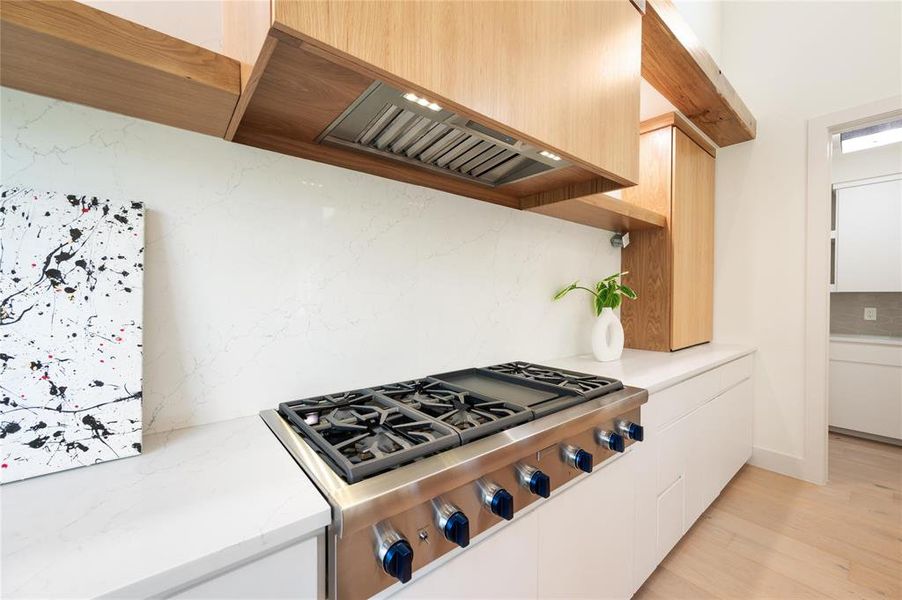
{"x": 472, "y": 415}
{"x": 590, "y": 386}
{"x": 365, "y": 432}
{"x": 361, "y": 433}
{"x": 311, "y": 409}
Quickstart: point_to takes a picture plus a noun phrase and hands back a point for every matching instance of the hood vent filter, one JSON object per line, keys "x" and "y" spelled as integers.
{"x": 383, "y": 122}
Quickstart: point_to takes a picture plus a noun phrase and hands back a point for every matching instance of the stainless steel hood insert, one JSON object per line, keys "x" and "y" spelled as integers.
{"x": 383, "y": 122}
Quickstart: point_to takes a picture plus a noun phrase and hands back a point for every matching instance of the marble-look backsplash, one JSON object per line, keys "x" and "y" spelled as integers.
{"x": 270, "y": 278}
{"x": 847, "y": 313}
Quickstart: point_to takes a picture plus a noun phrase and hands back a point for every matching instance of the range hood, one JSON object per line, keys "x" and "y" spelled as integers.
{"x": 403, "y": 127}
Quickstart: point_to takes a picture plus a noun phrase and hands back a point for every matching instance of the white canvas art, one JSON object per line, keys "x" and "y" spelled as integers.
{"x": 71, "y": 276}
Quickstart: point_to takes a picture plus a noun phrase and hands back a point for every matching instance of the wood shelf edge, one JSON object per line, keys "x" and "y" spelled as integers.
{"x": 604, "y": 212}
{"x": 76, "y": 53}
{"x": 675, "y": 63}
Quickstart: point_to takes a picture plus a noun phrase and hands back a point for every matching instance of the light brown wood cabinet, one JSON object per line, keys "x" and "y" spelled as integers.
{"x": 563, "y": 77}
{"x": 672, "y": 269}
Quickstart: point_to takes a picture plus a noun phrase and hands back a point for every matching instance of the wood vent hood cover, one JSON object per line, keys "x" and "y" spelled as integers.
{"x": 303, "y": 95}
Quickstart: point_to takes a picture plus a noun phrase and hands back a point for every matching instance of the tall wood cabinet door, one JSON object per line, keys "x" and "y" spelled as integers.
{"x": 564, "y": 75}
{"x": 587, "y": 536}
{"x": 647, "y": 260}
{"x": 692, "y": 228}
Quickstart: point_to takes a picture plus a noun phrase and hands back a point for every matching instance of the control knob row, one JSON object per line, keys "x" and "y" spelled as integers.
{"x": 610, "y": 440}
{"x": 396, "y": 553}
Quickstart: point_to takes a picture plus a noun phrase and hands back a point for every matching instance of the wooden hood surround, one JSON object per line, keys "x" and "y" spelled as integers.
{"x": 296, "y": 66}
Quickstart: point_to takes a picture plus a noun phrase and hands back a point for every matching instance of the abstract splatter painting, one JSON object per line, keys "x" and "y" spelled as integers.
{"x": 71, "y": 277}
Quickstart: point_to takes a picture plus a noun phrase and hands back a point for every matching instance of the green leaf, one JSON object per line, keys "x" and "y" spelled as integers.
{"x": 614, "y": 276}
{"x": 566, "y": 290}
{"x": 597, "y": 304}
{"x": 615, "y": 301}
{"x": 628, "y": 292}
{"x": 604, "y": 298}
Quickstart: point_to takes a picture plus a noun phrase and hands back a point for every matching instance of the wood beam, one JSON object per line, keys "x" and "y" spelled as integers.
{"x": 676, "y": 64}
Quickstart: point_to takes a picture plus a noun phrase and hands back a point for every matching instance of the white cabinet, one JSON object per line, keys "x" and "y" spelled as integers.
{"x": 719, "y": 444}
{"x": 503, "y": 564}
{"x": 671, "y": 494}
{"x": 876, "y": 407}
{"x": 670, "y": 508}
{"x": 868, "y": 239}
{"x": 586, "y": 535}
{"x": 699, "y": 436}
{"x": 295, "y": 571}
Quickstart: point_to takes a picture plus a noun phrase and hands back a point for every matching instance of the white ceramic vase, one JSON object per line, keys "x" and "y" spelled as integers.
{"x": 607, "y": 336}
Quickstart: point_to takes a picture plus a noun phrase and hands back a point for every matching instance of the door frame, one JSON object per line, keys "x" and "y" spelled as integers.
{"x": 817, "y": 272}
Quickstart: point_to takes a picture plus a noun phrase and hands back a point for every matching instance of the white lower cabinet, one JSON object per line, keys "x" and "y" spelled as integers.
{"x": 670, "y": 508}
{"x": 688, "y": 461}
{"x": 294, "y": 571}
{"x": 721, "y": 442}
{"x": 866, "y": 386}
{"x": 586, "y": 535}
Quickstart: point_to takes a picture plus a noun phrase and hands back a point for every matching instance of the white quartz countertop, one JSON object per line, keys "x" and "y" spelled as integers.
{"x": 197, "y": 500}
{"x": 205, "y": 498}
{"x": 655, "y": 371}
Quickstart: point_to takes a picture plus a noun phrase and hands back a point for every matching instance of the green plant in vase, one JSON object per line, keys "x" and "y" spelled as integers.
{"x": 607, "y": 333}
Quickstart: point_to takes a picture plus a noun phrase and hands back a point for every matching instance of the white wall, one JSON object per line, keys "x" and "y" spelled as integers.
{"x": 705, "y": 17}
{"x": 652, "y": 103}
{"x": 271, "y": 278}
{"x": 790, "y": 61}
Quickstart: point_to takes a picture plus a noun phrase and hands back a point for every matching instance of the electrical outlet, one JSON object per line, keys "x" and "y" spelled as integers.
{"x": 870, "y": 313}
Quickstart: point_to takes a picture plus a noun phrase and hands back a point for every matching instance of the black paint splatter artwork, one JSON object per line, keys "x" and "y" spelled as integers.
{"x": 71, "y": 282}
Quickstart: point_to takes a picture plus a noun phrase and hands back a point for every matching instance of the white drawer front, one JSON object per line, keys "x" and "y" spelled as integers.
{"x": 670, "y": 404}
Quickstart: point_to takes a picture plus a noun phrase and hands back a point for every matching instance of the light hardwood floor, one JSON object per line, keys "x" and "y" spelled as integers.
{"x": 770, "y": 536}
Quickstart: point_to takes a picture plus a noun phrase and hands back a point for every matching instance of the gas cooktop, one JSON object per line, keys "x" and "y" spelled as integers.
{"x": 364, "y": 432}
{"x": 413, "y": 469}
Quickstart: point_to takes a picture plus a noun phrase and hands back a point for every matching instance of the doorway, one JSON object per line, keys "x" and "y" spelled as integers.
{"x": 826, "y": 261}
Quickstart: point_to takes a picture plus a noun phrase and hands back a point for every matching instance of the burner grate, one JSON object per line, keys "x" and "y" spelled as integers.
{"x": 362, "y": 433}
{"x": 472, "y": 415}
{"x": 590, "y": 386}
{"x": 365, "y": 432}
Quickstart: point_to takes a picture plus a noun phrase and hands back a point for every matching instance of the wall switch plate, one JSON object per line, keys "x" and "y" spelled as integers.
{"x": 870, "y": 314}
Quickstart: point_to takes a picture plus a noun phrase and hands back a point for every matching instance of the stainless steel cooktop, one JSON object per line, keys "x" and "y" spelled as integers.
{"x": 413, "y": 469}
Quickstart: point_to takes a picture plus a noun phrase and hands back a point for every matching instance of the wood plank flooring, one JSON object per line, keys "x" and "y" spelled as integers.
{"x": 770, "y": 536}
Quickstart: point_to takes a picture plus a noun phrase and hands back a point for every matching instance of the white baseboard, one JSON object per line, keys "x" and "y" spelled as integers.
{"x": 786, "y": 464}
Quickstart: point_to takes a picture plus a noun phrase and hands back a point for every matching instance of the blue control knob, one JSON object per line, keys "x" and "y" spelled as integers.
{"x": 634, "y": 432}
{"x": 611, "y": 441}
{"x": 540, "y": 484}
{"x": 398, "y": 561}
{"x": 503, "y": 504}
{"x": 582, "y": 460}
{"x": 457, "y": 529}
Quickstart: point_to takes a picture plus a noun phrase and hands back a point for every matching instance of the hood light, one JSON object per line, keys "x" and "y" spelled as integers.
{"x": 411, "y": 97}
{"x": 548, "y": 154}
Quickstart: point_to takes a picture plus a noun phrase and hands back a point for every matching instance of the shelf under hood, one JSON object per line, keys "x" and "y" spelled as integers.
{"x": 382, "y": 121}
